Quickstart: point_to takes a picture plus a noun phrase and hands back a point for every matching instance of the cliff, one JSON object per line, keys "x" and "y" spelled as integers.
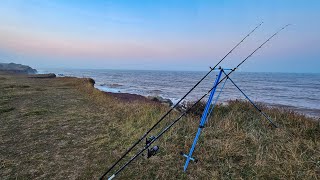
{"x": 16, "y": 68}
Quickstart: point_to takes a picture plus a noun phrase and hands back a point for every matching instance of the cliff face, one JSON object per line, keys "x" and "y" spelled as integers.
{"x": 16, "y": 68}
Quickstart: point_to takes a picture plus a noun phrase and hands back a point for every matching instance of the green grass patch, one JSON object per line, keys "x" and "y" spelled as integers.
{"x": 16, "y": 86}
{"x": 4, "y": 101}
{"x": 6, "y": 109}
{"x": 40, "y": 89}
{"x": 313, "y": 133}
{"x": 37, "y": 112}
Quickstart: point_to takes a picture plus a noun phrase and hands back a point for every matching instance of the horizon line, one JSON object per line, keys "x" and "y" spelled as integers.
{"x": 163, "y": 70}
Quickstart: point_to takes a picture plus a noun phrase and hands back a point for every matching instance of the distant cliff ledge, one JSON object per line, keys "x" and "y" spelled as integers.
{"x": 16, "y": 68}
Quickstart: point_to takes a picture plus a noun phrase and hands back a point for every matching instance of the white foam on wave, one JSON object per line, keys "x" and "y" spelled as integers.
{"x": 107, "y": 89}
{"x": 176, "y": 100}
{"x": 40, "y": 71}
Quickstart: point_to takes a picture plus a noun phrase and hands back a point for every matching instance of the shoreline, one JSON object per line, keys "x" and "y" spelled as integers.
{"x": 135, "y": 97}
{"x": 304, "y": 107}
{"x": 311, "y": 113}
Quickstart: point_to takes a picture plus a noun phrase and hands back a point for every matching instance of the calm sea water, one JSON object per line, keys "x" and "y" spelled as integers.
{"x": 300, "y": 92}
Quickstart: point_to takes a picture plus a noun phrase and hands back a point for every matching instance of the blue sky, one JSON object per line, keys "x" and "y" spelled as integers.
{"x": 160, "y": 35}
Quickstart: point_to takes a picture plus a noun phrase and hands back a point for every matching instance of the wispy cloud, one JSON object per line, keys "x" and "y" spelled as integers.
{"x": 32, "y": 43}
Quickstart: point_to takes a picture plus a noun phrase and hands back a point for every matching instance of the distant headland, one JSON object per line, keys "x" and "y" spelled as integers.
{"x": 16, "y": 68}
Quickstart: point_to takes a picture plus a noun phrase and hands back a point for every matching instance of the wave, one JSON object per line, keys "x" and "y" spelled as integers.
{"x": 114, "y": 85}
{"x": 107, "y": 89}
{"x": 156, "y": 91}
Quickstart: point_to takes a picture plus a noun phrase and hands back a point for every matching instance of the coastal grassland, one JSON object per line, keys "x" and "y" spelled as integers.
{"x": 63, "y": 128}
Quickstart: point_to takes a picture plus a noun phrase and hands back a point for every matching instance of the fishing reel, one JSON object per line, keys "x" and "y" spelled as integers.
{"x": 151, "y": 151}
{"x": 148, "y": 140}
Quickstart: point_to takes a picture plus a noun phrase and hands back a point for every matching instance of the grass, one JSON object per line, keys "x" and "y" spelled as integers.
{"x": 5, "y": 109}
{"x": 63, "y": 128}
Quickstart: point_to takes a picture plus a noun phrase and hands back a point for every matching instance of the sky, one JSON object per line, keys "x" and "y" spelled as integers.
{"x": 160, "y": 34}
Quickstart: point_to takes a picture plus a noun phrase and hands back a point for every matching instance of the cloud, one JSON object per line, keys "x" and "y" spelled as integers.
{"x": 33, "y": 43}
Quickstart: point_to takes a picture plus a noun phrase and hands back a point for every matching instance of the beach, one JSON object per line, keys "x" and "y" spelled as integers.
{"x": 64, "y": 128}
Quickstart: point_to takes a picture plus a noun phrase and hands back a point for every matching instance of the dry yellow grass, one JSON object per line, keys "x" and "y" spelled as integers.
{"x": 63, "y": 128}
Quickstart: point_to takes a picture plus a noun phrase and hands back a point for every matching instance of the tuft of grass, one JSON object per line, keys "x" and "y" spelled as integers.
{"x": 40, "y": 89}
{"x": 6, "y": 109}
{"x": 197, "y": 109}
{"x": 313, "y": 133}
{"x": 16, "y": 86}
{"x": 37, "y": 112}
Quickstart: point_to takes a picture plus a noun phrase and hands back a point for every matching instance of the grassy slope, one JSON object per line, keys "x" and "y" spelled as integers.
{"x": 63, "y": 128}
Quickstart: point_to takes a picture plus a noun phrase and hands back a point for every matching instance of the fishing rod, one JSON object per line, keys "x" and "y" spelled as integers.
{"x": 183, "y": 114}
{"x": 169, "y": 111}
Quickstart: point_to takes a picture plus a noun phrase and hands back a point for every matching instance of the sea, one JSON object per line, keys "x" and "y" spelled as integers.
{"x": 296, "y": 91}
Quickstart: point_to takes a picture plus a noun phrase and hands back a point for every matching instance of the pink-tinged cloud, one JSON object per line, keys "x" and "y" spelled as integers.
{"x": 53, "y": 45}
{"x": 36, "y": 44}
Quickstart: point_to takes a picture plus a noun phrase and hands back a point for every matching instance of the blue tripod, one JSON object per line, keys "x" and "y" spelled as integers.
{"x": 206, "y": 113}
{"x": 203, "y": 120}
